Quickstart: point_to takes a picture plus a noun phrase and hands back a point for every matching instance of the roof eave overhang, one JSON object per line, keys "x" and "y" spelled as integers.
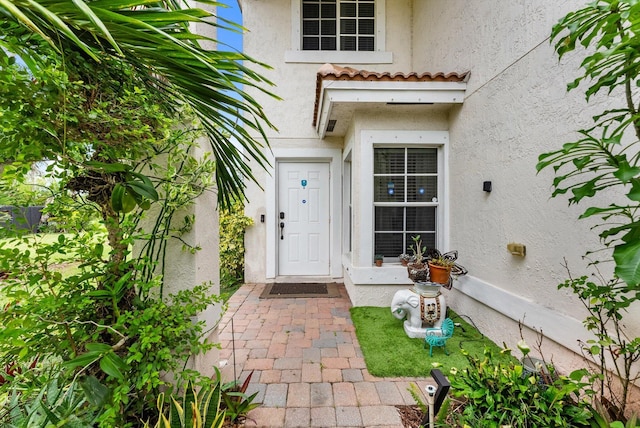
{"x": 353, "y": 93}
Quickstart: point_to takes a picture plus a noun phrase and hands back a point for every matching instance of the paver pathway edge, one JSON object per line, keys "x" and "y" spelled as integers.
{"x": 308, "y": 368}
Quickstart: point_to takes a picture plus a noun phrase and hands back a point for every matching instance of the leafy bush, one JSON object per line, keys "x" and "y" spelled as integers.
{"x": 195, "y": 409}
{"x": 127, "y": 174}
{"x": 233, "y": 223}
{"x": 602, "y": 169}
{"x": 58, "y": 403}
{"x": 613, "y": 351}
{"x": 235, "y": 400}
{"x": 210, "y": 407}
{"x": 497, "y": 394}
{"x": 25, "y": 194}
{"x": 125, "y": 345}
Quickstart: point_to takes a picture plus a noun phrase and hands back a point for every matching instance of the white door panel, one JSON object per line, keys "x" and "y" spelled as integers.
{"x": 303, "y": 197}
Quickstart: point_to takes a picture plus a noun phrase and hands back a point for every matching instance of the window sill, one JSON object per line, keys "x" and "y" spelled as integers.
{"x": 387, "y": 274}
{"x": 322, "y": 57}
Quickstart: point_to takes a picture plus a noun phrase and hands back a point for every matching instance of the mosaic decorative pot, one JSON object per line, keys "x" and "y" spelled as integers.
{"x": 418, "y": 272}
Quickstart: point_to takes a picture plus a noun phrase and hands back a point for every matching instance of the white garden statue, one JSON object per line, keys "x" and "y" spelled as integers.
{"x": 422, "y": 310}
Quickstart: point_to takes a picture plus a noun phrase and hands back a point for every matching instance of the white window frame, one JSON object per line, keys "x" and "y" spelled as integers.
{"x": 407, "y": 204}
{"x": 398, "y": 138}
{"x": 337, "y": 36}
{"x": 378, "y": 56}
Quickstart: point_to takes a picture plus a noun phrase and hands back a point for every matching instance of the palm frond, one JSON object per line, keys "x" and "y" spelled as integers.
{"x": 155, "y": 39}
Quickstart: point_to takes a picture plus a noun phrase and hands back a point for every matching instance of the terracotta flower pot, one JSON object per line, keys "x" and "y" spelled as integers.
{"x": 439, "y": 274}
{"x": 378, "y": 263}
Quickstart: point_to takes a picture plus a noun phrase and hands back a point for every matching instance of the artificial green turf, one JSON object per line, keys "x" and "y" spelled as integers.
{"x": 389, "y": 352}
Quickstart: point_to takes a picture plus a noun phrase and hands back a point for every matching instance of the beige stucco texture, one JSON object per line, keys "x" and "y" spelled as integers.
{"x": 515, "y": 107}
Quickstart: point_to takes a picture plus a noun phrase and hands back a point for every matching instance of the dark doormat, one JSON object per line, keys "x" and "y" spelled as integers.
{"x": 285, "y": 290}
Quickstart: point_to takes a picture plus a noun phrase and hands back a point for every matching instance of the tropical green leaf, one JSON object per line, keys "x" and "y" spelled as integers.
{"x": 23, "y": 18}
{"x": 112, "y": 365}
{"x": 189, "y": 399}
{"x": 109, "y": 167}
{"x": 176, "y": 414}
{"x": 634, "y": 193}
{"x": 586, "y": 190}
{"x": 97, "y": 22}
{"x": 627, "y": 258}
{"x": 598, "y": 210}
{"x": 626, "y": 172}
{"x": 98, "y": 347}
{"x": 97, "y": 394}
{"x": 581, "y": 162}
{"x": 82, "y": 360}
{"x": 157, "y": 43}
{"x": 51, "y": 417}
{"x": 142, "y": 190}
{"x": 99, "y": 294}
{"x": 633, "y": 232}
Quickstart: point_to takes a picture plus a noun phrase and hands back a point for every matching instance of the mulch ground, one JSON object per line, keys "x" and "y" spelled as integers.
{"x": 411, "y": 416}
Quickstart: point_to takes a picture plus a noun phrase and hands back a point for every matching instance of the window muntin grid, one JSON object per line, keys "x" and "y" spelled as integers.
{"x": 405, "y": 198}
{"x": 338, "y": 25}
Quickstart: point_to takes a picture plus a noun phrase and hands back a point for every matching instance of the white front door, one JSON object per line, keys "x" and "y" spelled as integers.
{"x": 303, "y": 218}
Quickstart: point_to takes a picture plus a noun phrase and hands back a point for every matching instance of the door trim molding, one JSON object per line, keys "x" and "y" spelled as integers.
{"x": 322, "y": 229}
{"x": 333, "y": 157}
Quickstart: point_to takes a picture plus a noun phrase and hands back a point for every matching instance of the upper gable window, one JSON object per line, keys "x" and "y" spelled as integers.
{"x": 342, "y": 25}
{"x": 338, "y": 31}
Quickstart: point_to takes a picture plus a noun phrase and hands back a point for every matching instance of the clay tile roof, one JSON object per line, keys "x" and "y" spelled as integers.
{"x": 335, "y": 72}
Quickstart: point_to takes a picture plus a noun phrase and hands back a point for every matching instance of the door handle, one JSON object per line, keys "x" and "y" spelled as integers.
{"x": 282, "y": 230}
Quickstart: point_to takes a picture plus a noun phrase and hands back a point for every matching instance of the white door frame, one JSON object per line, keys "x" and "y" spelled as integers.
{"x": 303, "y": 247}
{"x": 334, "y": 158}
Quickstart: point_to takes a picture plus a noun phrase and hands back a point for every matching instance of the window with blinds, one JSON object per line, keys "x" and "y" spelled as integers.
{"x": 344, "y": 25}
{"x": 405, "y": 198}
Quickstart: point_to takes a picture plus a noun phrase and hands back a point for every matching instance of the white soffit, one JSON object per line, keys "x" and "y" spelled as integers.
{"x": 338, "y": 99}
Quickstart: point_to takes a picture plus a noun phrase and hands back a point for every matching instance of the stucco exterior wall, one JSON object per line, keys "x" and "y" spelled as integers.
{"x": 255, "y": 237}
{"x": 516, "y": 108}
{"x": 268, "y": 40}
{"x": 183, "y": 270}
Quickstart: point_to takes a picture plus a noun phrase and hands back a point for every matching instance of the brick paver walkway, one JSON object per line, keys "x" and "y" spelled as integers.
{"x": 308, "y": 367}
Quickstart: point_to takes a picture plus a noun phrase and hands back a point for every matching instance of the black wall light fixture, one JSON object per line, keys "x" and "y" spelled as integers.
{"x": 486, "y": 186}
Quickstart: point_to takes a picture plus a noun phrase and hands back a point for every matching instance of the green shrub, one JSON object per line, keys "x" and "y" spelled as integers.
{"x": 214, "y": 405}
{"x": 117, "y": 346}
{"x": 108, "y": 326}
{"x": 233, "y": 223}
{"x": 195, "y": 409}
{"x": 58, "y": 403}
{"x": 497, "y": 394}
{"x": 25, "y": 194}
{"x": 235, "y": 400}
